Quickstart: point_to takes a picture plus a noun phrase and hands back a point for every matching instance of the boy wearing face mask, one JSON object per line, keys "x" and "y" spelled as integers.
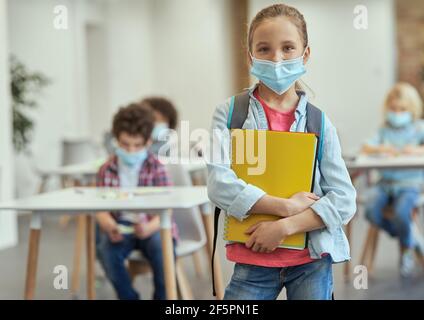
{"x": 400, "y": 134}
{"x": 132, "y": 165}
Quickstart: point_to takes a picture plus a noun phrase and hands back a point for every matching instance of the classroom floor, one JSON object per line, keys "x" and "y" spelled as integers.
{"x": 56, "y": 248}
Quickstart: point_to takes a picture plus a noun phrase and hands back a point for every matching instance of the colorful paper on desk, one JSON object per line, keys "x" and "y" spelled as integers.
{"x": 124, "y": 195}
{"x": 124, "y": 229}
{"x": 112, "y": 194}
{"x": 286, "y": 167}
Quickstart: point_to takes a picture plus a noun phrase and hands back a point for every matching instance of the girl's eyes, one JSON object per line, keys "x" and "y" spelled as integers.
{"x": 285, "y": 49}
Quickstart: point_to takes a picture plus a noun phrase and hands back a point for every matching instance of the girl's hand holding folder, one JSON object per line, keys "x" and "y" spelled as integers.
{"x": 266, "y": 236}
{"x": 282, "y": 207}
{"x": 299, "y": 202}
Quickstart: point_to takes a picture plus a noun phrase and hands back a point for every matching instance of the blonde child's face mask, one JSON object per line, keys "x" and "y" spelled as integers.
{"x": 399, "y": 119}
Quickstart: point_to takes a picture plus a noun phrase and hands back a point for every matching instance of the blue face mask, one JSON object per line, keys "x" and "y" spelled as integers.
{"x": 159, "y": 130}
{"x": 278, "y": 76}
{"x": 399, "y": 119}
{"x": 132, "y": 159}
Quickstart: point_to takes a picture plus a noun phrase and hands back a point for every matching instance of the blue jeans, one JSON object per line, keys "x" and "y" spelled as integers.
{"x": 113, "y": 255}
{"x": 310, "y": 281}
{"x": 403, "y": 202}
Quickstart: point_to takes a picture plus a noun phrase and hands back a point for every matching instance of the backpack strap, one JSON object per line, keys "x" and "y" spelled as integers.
{"x": 315, "y": 123}
{"x": 215, "y": 235}
{"x": 239, "y": 108}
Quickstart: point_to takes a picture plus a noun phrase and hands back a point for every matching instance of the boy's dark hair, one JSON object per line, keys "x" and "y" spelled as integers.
{"x": 133, "y": 119}
{"x": 165, "y": 107}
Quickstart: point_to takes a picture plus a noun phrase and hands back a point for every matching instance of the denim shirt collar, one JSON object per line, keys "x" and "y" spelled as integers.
{"x": 300, "y": 109}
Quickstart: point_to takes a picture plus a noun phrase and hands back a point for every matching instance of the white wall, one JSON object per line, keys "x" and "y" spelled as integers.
{"x": 8, "y": 226}
{"x": 41, "y": 47}
{"x": 130, "y": 55}
{"x": 61, "y": 56}
{"x": 193, "y": 56}
{"x": 350, "y": 70}
{"x": 180, "y": 49}
{"x": 97, "y": 79}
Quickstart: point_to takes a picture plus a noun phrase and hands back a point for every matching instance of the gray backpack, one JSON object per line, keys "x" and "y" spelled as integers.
{"x": 239, "y": 108}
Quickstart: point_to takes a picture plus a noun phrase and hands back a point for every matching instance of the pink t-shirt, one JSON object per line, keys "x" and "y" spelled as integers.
{"x": 280, "y": 257}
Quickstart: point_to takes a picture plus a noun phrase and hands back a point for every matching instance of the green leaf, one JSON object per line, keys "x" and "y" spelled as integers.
{"x": 25, "y": 87}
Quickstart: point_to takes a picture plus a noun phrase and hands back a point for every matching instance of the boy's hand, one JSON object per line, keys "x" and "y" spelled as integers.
{"x": 389, "y": 150}
{"x": 114, "y": 234}
{"x": 145, "y": 230}
{"x": 413, "y": 150}
{"x": 299, "y": 202}
{"x": 266, "y": 236}
{"x": 383, "y": 149}
{"x": 109, "y": 226}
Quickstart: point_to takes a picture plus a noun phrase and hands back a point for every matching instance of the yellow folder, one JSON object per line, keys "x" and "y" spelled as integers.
{"x": 281, "y": 164}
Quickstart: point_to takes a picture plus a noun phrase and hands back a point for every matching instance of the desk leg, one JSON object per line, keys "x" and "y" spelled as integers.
{"x": 91, "y": 258}
{"x": 168, "y": 255}
{"x": 32, "y": 260}
{"x": 347, "y": 264}
{"x": 79, "y": 244}
{"x": 219, "y": 283}
{"x": 197, "y": 261}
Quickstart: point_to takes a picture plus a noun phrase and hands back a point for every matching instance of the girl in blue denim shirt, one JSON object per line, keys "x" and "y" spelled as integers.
{"x": 278, "y": 52}
{"x": 401, "y": 133}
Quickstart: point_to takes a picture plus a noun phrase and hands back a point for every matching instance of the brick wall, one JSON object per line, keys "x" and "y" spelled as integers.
{"x": 410, "y": 40}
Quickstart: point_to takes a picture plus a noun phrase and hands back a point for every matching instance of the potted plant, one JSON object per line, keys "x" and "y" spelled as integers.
{"x": 25, "y": 85}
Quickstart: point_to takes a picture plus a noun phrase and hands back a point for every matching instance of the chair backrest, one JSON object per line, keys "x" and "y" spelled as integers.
{"x": 189, "y": 221}
{"x": 108, "y": 143}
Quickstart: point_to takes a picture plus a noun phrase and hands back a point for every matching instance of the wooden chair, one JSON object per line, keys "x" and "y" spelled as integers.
{"x": 369, "y": 249}
{"x": 191, "y": 243}
{"x": 138, "y": 265}
{"x": 192, "y": 237}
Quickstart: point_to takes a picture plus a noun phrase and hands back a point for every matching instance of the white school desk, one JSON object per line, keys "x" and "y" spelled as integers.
{"x": 88, "y": 171}
{"x": 379, "y": 162}
{"x": 155, "y": 200}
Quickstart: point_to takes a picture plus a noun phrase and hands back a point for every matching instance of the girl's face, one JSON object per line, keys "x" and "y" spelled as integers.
{"x": 396, "y": 106}
{"x": 278, "y": 39}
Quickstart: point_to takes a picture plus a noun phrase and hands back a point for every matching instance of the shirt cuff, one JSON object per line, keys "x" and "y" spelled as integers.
{"x": 327, "y": 213}
{"x": 244, "y": 201}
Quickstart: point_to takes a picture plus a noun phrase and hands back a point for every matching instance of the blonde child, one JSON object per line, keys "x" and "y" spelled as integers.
{"x": 399, "y": 134}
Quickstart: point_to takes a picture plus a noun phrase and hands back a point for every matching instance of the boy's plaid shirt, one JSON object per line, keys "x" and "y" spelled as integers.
{"x": 152, "y": 173}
